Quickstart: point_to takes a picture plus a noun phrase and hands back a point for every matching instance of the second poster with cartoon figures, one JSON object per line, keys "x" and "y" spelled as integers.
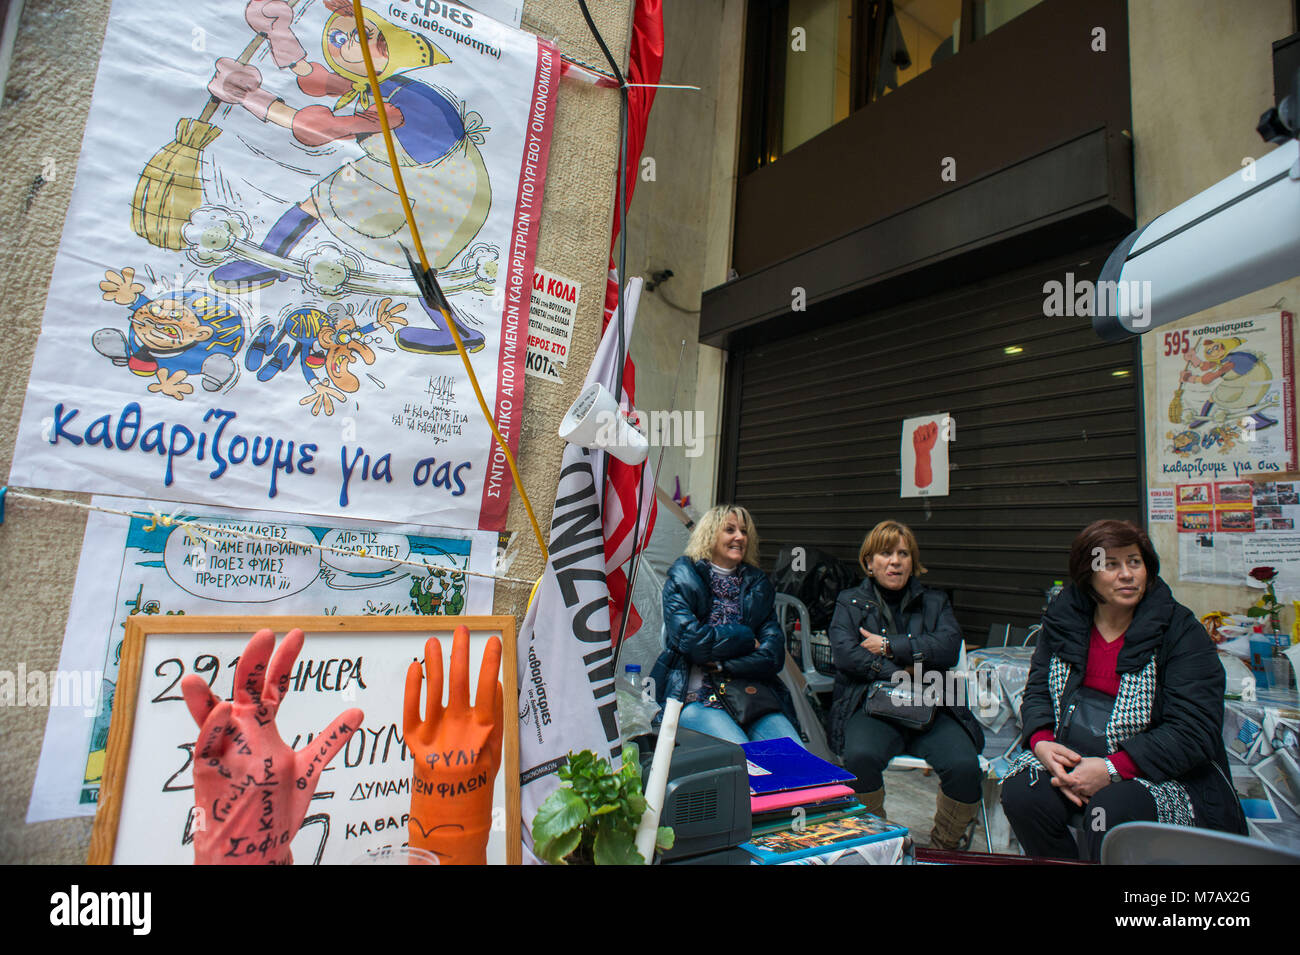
{"x": 1225, "y": 399}
{"x": 232, "y": 318}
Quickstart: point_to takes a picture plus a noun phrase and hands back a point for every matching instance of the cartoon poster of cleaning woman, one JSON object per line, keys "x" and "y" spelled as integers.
{"x": 1226, "y": 399}
{"x": 233, "y": 318}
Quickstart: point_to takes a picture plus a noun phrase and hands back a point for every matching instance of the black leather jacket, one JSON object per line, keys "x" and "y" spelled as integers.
{"x": 926, "y": 632}
{"x": 1183, "y": 739}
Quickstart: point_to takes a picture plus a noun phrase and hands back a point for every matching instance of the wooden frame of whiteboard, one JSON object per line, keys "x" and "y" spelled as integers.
{"x": 103, "y": 837}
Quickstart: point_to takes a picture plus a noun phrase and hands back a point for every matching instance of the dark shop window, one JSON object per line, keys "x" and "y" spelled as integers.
{"x": 811, "y": 63}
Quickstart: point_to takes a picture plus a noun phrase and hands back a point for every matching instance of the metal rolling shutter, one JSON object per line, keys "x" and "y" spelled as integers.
{"x": 1046, "y": 440}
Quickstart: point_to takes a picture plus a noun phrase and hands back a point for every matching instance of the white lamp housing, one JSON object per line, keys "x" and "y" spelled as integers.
{"x": 1240, "y": 235}
{"x": 594, "y": 421}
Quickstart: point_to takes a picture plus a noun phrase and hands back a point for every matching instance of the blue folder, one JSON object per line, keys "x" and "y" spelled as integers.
{"x": 780, "y": 765}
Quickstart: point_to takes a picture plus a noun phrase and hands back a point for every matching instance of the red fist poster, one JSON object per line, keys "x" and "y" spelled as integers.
{"x": 923, "y": 455}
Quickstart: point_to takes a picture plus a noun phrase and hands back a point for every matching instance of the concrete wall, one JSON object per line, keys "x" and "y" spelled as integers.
{"x": 1202, "y": 73}
{"x": 41, "y": 121}
{"x": 682, "y": 221}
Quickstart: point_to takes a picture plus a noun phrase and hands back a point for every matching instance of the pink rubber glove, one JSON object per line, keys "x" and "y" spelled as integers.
{"x": 251, "y": 788}
{"x": 240, "y": 84}
{"x": 274, "y": 20}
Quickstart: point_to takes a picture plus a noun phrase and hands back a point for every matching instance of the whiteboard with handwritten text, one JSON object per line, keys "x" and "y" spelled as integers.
{"x": 361, "y": 806}
{"x": 289, "y": 565}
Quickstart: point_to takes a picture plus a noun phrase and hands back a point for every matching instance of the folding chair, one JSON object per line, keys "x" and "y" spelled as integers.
{"x": 1009, "y": 635}
{"x": 1154, "y": 843}
{"x": 916, "y": 762}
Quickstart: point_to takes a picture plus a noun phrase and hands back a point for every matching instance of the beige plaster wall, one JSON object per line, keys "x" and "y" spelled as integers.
{"x": 711, "y": 363}
{"x": 41, "y": 124}
{"x": 682, "y": 221}
{"x": 1201, "y": 75}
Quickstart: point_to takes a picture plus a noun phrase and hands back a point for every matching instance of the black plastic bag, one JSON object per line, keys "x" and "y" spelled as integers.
{"x": 817, "y": 584}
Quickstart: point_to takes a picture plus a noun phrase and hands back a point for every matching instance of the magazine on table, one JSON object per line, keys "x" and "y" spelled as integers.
{"x": 821, "y": 837}
{"x": 1281, "y": 775}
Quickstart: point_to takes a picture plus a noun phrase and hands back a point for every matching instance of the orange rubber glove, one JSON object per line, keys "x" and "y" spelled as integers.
{"x": 251, "y": 788}
{"x": 457, "y": 752}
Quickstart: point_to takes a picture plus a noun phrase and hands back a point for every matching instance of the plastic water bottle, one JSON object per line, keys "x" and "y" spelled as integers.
{"x": 632, "y": 718}
{"x": 631, "y": 681}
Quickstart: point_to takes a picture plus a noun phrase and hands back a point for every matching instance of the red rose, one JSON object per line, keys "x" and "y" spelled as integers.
{"x": 1263, "y": 574}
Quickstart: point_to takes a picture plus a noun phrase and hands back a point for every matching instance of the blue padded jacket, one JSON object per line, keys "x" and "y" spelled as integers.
{"x": 690, "y": 639}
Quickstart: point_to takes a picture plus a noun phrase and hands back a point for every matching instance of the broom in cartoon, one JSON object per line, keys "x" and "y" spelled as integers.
{"x": 171, "y": 185}
{"x": 1176, "y": 403}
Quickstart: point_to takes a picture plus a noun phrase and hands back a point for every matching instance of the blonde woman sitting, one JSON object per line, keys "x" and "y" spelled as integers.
{"x": 721, "y": 634}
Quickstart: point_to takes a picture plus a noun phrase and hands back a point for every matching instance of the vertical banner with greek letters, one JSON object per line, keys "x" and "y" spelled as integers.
{"x": 566, "y": 663}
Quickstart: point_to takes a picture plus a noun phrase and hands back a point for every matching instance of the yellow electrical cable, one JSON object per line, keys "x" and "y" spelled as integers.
{"x": 363, "y": 39}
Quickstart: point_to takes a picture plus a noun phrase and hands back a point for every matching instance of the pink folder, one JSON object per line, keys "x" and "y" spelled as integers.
{"x": 797, "y": 797}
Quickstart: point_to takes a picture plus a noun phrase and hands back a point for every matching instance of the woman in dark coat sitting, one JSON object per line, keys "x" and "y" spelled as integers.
{"x": 720, "y": 622}
{"x": 1123, "y": 709}
{"x": 888, "y": 624}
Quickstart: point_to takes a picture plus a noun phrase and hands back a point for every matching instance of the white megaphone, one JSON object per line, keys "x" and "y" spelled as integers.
{"x": 595, "y": 421}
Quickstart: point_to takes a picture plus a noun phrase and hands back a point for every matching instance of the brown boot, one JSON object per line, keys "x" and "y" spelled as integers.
{"x": 950, "y": 821}
{"x": 873, "y": 802}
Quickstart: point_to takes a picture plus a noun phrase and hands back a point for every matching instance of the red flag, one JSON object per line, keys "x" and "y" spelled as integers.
{"x": 645, "y": 65}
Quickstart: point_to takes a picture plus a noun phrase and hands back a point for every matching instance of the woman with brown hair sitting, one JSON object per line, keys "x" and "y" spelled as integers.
{"x": 1123, "y": 709}
{"x": 892, "y": 629}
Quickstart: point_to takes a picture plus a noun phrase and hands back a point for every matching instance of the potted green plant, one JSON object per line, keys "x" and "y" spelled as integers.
{"x": 593, "y": 817}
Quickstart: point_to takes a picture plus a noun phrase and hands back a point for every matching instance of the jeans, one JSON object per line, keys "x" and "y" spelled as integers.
{"x": 718, "y": 723}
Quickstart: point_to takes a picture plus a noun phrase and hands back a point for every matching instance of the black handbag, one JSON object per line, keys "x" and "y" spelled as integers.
{"x": 747, "y": 700}
{"x": 897, "y": 703}
{"x": 1083, "y": 725}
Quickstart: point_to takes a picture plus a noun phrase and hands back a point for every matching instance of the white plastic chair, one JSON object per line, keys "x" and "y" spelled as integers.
{"x": 916, "y": 762}
{"x": 817, "y": 681}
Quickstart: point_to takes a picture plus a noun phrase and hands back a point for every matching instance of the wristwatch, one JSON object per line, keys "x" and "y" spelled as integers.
{"x": 885, "y": 651}
{"x": 1115, "y": 777}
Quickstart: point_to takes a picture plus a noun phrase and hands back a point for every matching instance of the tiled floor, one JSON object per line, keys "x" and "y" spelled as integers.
{"x": 910, "y": 797}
